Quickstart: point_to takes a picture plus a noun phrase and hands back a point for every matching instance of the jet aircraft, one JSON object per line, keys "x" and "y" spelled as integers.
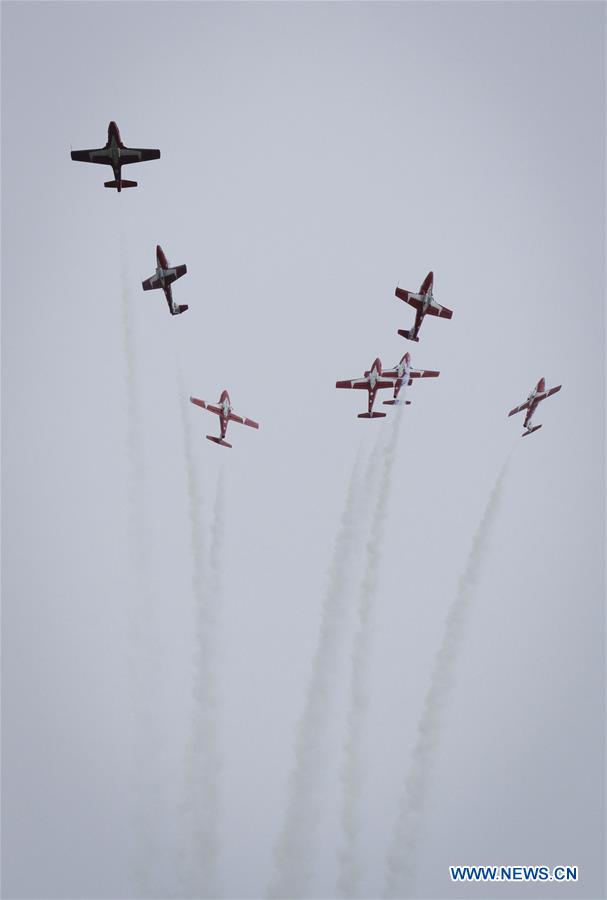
{"x": 424, "y": 305}
{"x": 163, "y": 278}
{"x": 116, "y": 155}
{"x": 404, "y": 374}
{"x": 372, "y": 381}
{"x": 224, "y": 411}
{"x": 538, "y": 394}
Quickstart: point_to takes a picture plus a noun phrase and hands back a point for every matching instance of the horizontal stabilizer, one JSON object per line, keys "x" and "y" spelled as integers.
{"x": 218, "y": 440}
{"x": 530, "y": 430}
{"x": 408, "y": 335}
{"x": 181, "y": 309}
{"x": 373, "y": 415}
{"x": 396, "y": 402}
{"x": 120, "y": 184}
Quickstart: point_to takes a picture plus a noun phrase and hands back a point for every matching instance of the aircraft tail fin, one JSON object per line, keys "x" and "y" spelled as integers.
{"x": 531, "y": 430}
{"x": 408, "y": 335}
{"x": 120, "y": 184}
{"x": 218, "y": 440}
{"x": 372, "y": 415}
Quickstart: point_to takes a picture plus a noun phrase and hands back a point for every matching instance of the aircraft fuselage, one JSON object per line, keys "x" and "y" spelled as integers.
{"x": 226, "y": 408}
{"x": 374, "y": 376}
{"x": 116, "y": 155}
{"x": 113, "y": 145}
{"x": 533, "y": 403}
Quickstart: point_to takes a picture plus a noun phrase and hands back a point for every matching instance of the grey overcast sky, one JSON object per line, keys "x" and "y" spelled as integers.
{"x": 314, "y": 155}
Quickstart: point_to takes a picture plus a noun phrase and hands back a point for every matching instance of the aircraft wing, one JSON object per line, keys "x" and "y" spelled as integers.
{"x": 174, "y": 273}
{"x": 407, "y": 296}
{"x": 102, "y": 155}
{"x": 435, "y": 309}
{"x": 422, "y": 373}
{"x": 242, "y": 421}
{"x": 204, "y": 405}
{"x": 128, "y": 155}
{"x": 150, "y": 284}
{"x": 549, "y": 393}
{"x": 518, "y": 409}
{"x": 360, "y": 383}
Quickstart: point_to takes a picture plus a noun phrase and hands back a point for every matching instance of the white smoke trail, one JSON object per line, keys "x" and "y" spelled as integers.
{"x": 406, "y": 837}
{"x": 218, "y": 535}
{"x": 200, "y": 809}
{"x": 296, "y": 846}
{"x": 145, "y": 652}
{"x": 352, "y": 780}
{"x": 137, "y": 522}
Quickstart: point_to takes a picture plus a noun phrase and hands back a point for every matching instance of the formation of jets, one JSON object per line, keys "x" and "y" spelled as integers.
{"x": 116, "y": 155}
{"x": 376, "y": 378}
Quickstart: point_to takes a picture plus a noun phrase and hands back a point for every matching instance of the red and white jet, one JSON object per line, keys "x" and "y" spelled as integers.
{"x": 424, "y": 305}
{"x": 116, "y": 155}
{"x": 532, "y": 402}
{"x": 224, "y": 411}
{"x": 164, "y": 277}
{"x": 372, "y": 381}
{"x": 404, "y": 374}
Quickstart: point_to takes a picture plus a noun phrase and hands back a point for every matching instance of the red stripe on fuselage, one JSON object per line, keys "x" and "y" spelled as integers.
{"x": 114, "y": 132}
{"x": 223, "y": 420}
{"x": 161, "y": 258}
{"x": 427, "y": 283}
